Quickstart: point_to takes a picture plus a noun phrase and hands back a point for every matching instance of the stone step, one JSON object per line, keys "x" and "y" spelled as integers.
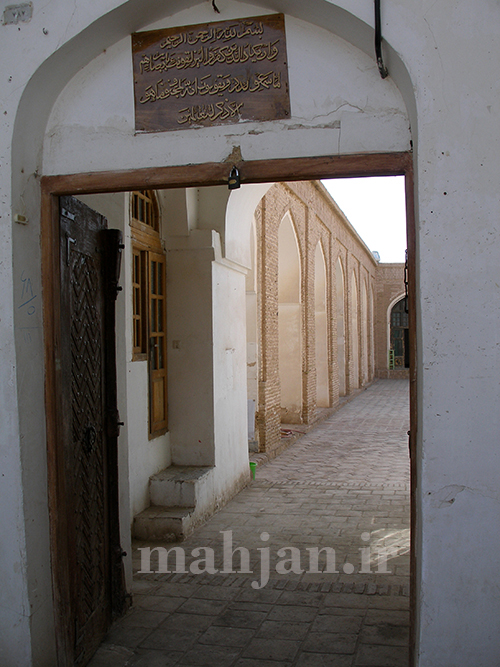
{"x": 178, "y": 486}
{"x": 170, "y": 524}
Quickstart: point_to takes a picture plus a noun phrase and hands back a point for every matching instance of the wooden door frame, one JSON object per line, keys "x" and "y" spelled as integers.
{"x": 197, "y": 175}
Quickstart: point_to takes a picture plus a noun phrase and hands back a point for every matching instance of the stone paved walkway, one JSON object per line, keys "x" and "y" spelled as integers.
{"x": 345, "y": 486}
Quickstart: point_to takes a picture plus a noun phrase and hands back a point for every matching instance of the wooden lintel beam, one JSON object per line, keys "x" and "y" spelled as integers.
{"x": 217, "y": 173}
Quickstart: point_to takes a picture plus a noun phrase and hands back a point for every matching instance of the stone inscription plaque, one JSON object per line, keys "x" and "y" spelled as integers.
{"x": 211, "y": 74}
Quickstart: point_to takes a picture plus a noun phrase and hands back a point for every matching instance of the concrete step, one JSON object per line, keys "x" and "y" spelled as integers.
{"x": 170, "y": 524}
{"x": 178, "y": 486}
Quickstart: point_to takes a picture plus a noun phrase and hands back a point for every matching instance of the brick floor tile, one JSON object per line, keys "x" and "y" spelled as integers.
{"x": 239, "y": 618}
{"x": 243, "y": 605}
{"x": 386, "y": 634}
{"x": 300, "y": 598}
{"x": 142, "y": 618}
{"x": 263, "y": 595}
{"x": 347, "y": 601}
{"x": 283, "y": 630}
{"x": 141, "y": 586}
{"x": 209, "y": 656}
{"x": 324, "y": 660}
{"x": 293, "y": 613}
{"x": 200, "y": 606}
{"x": 250, "y": 662}
{"x": 174, "y": 590}
{"x": 215, "y": 593}
{"x": 162, "y": 639}
{"x": 186, "y": 624}
{"x": 388, "y": 602}
{"x": 129, "y": 637}
{"x": 396, "y": 617}
{"x": 111, "y": 656}
{"x": 327, "y": 642}
{"x": 271, "y": 649}
{"x": 150, "y": 658}
{"x": 225, "y": 636}
{"x": 158, "y": 603}
{"x": 382, "y": 656}
{"x": 337, "y": 624}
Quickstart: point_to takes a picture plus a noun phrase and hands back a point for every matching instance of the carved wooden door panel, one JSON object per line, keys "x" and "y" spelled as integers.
{"x": 87, "y": 464}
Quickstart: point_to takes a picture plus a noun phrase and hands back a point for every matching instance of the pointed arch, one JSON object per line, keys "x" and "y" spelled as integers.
{"x": 289, "y": 322}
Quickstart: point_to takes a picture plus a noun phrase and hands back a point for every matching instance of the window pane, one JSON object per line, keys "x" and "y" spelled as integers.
{"x": 153, "y": 316}
{"x": 160, "y": 278}
{"x": 153, "y": 278}
{"x": 160, "y": 314}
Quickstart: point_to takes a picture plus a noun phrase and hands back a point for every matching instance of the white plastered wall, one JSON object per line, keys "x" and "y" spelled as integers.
{"x": 96, "y": 109}
{"x": 447, "y": 71}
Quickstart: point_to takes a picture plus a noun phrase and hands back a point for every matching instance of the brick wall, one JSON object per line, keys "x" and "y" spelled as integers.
{"x": 389, "y": 288}
{"x": 316, "y": 218}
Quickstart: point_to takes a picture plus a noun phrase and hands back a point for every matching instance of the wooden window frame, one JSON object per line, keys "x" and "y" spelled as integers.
{"x": 157, "y": 331}
{"x": 149, "y": 320}
{"x": 144, "y": 212}
{"x": 139, "y": 304}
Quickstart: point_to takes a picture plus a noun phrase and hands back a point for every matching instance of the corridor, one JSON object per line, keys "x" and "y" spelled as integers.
{"x": 338, "y": 498}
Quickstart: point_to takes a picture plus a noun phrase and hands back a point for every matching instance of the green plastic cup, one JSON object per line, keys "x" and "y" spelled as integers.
{"x": 253, "y": 467}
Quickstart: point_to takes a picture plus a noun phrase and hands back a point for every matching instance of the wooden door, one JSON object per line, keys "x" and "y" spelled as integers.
{"x": 90, "y": 557}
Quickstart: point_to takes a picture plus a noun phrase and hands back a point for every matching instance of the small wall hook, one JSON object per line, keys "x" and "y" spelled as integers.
{"x": 234, "y": 179}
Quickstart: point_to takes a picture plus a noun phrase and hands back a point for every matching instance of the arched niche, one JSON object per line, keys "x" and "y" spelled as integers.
{"x": 321, "y": 328}
{"x": 289, "y": 322}
{"x": 372, "y": 333}
{"x": 364, "y": 332}
{"x": 341, "y": 327}
{"x": 354, "y": 333}
{"x": 240, "y": 213}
